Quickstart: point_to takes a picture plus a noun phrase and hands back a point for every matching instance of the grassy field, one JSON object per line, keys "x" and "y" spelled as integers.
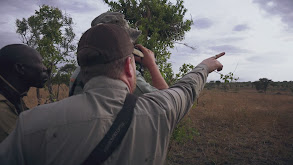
{"x": 243, "y": 127}
{"x": 240, "y": 127}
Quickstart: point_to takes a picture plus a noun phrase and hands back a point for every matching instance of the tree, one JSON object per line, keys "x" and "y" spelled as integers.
{"x": 210, "y": 85}
{"x": 183, "y": 70}
{"x": 62, "y": 77}
{"x": 228, "y": 79}
{"x": 50, "y": 32}
{"x": 262, "y": 84}
{"x": 274, "y": 84}
{"x": 161, "y": 24}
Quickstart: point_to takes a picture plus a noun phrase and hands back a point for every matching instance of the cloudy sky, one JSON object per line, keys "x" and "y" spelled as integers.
{"x": 257, "y": 35}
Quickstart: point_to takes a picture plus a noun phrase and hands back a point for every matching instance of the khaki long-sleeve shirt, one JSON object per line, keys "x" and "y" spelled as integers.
{"x": 8, "y": 117}
{"x": 76, "y": 85}
{"x": 66, "y": 132}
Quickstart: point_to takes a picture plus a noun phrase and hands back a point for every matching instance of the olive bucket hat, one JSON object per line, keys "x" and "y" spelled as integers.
{"x": 119, "y": 19}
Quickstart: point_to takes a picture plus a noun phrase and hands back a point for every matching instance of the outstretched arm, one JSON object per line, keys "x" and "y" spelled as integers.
{"x": 149, "y": 62}
{"x": 179, "y": 98}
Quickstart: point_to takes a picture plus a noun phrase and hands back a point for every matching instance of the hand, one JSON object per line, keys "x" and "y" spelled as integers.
{"x": 212, "y": 63}
{"x": 149, "y": 57}
{"x": 150, "y": 63}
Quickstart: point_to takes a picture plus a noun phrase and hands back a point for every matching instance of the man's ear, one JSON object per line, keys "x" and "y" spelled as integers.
{"x": 19, "y": 68}
{"x": 128, "y": 67}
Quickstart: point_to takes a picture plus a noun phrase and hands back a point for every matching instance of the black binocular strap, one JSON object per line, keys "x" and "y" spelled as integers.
{"x": 75, "y": 83}
{"x": 114, "y": 136}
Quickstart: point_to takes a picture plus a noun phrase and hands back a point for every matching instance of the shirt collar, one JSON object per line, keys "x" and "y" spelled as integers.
{"x": 105, "y": 82}
{"x": 12, "y": 95}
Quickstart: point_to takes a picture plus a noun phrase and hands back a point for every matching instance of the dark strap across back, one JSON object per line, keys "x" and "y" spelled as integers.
{"x": 115, "y": 134}
{"x": 76, "y": 82}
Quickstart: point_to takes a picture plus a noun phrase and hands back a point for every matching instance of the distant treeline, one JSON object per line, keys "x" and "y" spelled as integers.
{"x": 261, "y": 85}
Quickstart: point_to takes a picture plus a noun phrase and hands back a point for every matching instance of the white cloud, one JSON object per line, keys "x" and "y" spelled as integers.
{"x": 202, "y": 23}
{"x": 251, "y": 39}
{"x": 282, "y": 8}
{"x": 240, "y": 27}
{"x": 228, "y": 49}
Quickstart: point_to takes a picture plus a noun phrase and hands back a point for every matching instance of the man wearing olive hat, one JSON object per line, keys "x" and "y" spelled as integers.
{"x": 76, "y": 85}
{"x": 67, "y": 132}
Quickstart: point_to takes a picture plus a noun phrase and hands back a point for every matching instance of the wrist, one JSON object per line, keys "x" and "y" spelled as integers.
{"x": 151, "y": 66}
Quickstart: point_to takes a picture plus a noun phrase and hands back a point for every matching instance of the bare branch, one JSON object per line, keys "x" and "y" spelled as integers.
{"x": 185, "y": 44}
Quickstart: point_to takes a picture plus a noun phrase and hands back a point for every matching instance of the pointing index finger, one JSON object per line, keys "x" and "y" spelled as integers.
{"x": 219, "y": 55}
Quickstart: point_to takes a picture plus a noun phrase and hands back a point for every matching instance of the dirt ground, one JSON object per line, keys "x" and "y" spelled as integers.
{"x": 235, "y": 127}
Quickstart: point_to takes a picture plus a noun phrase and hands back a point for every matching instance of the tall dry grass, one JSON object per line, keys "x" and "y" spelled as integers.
{"x": 31, "y": 98}
{"x": 243, "y": 127}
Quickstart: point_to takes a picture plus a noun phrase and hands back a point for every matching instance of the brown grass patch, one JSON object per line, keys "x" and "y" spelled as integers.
{"x": 239, "y": 128}
{"x": 31, "y": 98}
